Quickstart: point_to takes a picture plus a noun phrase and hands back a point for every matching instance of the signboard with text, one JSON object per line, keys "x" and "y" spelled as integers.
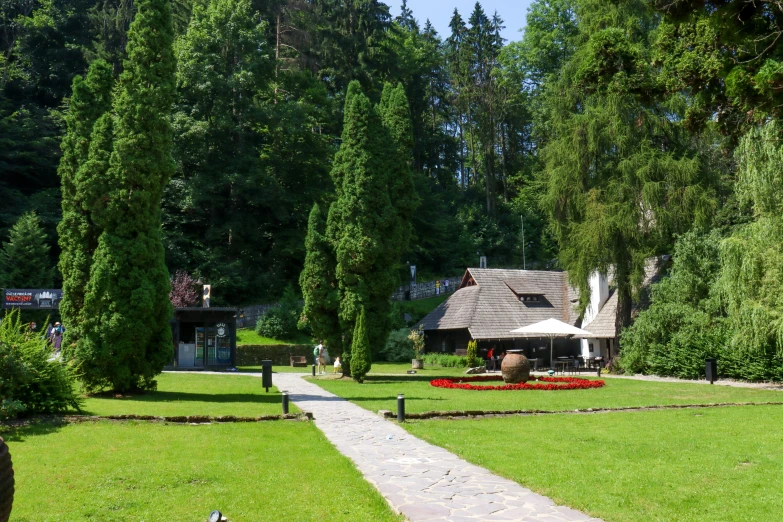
{"x": 32, "y": 299}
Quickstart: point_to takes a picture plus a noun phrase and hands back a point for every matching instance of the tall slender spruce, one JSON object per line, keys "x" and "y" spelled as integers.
{"x": 127, "y": 338}
{"x": 361, "y": 355}
{"x": 318, "y": 283}
{"x": 77, "y": 233}
{"x": 361, "y": 215}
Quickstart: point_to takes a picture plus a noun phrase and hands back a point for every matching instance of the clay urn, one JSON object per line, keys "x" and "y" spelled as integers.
{"x": 515, "y": 368}
{"x": 6, "y": 482}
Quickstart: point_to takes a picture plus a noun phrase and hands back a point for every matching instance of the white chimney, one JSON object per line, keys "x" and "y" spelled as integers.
{"x": 599, "y": 293}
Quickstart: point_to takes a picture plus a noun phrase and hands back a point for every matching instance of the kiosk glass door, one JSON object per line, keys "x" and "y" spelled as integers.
{"x": 200, "y": 345}
{"x": 211, "y": 346}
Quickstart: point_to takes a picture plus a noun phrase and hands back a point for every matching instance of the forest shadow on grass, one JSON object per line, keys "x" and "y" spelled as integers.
{"x": 19, "y": 433}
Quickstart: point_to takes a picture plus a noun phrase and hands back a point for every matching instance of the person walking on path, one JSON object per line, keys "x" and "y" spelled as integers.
{"x": 56, "y": 337}
{"x": 320, "y": 359}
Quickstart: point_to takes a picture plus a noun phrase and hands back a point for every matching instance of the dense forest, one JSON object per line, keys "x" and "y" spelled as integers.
{"x": 614, "y": 130}
{"x": 257, "y": 119}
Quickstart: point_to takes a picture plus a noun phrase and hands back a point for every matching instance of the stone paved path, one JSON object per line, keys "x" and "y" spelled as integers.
{"x": 421, "y": 481}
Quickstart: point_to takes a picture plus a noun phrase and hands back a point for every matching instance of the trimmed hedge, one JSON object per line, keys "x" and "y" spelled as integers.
{"x": 279, "y": 354}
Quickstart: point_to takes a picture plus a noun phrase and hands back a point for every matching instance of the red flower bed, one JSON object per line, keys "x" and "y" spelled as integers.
{"x": 550, "y": 383}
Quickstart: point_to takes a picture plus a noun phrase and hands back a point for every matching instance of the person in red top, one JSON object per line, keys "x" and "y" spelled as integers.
{"x": 491, "y": 356}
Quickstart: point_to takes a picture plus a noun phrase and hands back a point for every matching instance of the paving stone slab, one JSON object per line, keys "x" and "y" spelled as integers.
{"x": 419, "y": 480}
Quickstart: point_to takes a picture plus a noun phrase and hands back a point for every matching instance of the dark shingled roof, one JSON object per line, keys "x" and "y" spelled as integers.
{"x": 490, "y": 309}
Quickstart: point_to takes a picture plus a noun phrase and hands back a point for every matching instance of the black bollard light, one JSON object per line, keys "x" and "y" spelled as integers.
{"x": 599, "y": 370}
{"x": 285, "y": 403}
{"x": 401, "y": 408}
{"x": 313, "y": 369}
{"x": 711, "y": 370}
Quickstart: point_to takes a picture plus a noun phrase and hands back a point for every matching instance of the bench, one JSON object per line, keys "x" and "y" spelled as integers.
{"x": 298, "y": 361}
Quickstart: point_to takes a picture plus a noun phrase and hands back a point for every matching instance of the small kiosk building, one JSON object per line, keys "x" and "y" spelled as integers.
{"x": 204, "y": 338}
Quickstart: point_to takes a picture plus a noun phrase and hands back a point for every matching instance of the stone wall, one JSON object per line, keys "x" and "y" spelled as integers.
{"x": 279, "y": 354}
{"x": 426, "y": 289}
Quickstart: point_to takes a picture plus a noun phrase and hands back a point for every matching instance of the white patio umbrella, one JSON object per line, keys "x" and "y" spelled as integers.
{"x": 552, "y": 328}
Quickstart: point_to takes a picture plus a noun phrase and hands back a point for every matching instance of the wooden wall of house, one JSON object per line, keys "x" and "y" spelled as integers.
{"x": 456, "y": 341}
{"x": 446, "y": 341}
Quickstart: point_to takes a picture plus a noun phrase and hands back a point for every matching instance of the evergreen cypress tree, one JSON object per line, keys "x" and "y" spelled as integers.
{"x": 361, "y": 357}
{"x": 317, "y": 280}
{"x": 395, "y": 116}
{"x": 24, "y": 260}
{"x": 77, "y": 234}
{"x": 127, "y": 337}
{"x": 361, "y": 216}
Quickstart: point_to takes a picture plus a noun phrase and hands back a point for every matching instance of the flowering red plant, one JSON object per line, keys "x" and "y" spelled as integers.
{"x": 551, "y": 383}
{"x": 183, "y": 290}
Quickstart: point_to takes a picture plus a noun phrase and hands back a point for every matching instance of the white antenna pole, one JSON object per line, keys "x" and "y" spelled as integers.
{"x": 522, "y": 218}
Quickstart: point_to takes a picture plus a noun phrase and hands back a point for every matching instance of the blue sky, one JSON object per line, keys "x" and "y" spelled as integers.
{"x": 439, "y": 12}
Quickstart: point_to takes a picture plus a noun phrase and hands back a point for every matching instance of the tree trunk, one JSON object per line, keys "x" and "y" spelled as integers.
{"x": 624, "y": 300}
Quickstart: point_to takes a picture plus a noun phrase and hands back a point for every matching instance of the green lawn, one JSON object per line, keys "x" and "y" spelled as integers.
{"x": 194, "y": 394}
{"x": 380, "y": 393}
{"x": 281, "y": 470}
{"x": 716, "y": 464}
{"x": 402, "y": 368}
{"x": 249, "y": 336}
{"x": 421, "y": 307}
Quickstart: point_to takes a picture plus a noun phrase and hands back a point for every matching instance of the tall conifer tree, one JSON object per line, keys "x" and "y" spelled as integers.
{"x": 396, "y": 120}
{"x": 77, "y": 233}
{"x": 24, "y": 259}
{"x": 127, "y": 338}
{"x": 317, "y": 280}
{"x": 362, "y": 213}
{"x": 620, "y": 176}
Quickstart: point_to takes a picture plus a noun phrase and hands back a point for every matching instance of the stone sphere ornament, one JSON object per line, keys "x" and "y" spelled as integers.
{"x": 515, "y": 368}
{"x": 6, "y": 482}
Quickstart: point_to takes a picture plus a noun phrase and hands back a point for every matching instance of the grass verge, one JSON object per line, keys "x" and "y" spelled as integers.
{"x": 249, "y": 336}
{"x": 380, "y": 393}
{"x": 717, "y": 464}
{"x": 139, "y": 471}
{"x": 194, "y": 394}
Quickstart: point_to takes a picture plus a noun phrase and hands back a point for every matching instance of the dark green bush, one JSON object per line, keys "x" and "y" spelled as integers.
{"x": 685, "y": 323}
{"x": 31, "y": 379}
{"x": 272, "y": 325}
{"x": 282, "y": 320}
{"x": 398, "y": 347}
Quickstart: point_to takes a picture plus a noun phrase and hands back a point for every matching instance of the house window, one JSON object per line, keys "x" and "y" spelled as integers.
{"x": 590, "y": 346}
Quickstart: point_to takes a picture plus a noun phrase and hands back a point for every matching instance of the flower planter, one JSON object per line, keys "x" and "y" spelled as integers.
{"x": 417, "y": 364}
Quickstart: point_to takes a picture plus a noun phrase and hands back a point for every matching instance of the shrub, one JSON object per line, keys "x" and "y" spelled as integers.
{"x": 416, "y": 336}
{"x": 398, "y": 347}
{"x": 272, "y": 325}
{"x": 282, "y": 320}
{"x": 445, "y": 360}
{"x": 472, "y": 353}
{"x": 31, "y": 380}
{"x": 361, "y": 360}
